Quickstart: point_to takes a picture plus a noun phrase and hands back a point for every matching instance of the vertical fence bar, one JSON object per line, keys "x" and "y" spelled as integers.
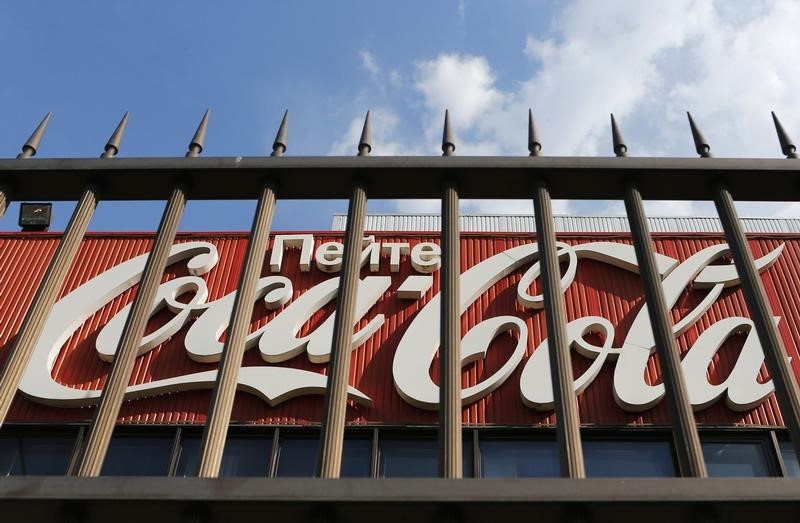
{"x": 450, "y": 439}
{"x": 46, "y": 294}
{"x": 219, "y": 415}
{"x": 125, "y": 357}
{"x": 335, "y": 402}
{"x": 684, "y": 428}
{"x": 775, "y": 355}
{"x": 566, "y": 406}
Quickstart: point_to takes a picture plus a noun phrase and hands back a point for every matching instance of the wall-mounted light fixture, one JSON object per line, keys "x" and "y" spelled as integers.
{"x": 35, "y": 216}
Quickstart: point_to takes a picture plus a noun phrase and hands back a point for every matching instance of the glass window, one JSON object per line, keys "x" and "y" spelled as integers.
{"x": 509, "y": 458}
{"x": 356, "y": 458}
{"x": 35, "y": 455}
{"x": 628, "y": 459}
{"x": 243, "y": 456}
{"x": 416, "y": 458}
{"x": 790, "y": 462}
{"x": 297, "y": 456}
{"x": 141, "y": 455}
{"x": 735, "y": 459}
{"x": 189, "y": 458}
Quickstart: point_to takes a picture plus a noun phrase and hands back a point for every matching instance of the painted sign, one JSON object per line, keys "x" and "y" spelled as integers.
{"x": 503, "y": 350}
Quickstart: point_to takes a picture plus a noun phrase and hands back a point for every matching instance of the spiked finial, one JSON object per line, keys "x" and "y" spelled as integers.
{"x": 700, "y": 143}
{"x": 534, "y": 145}
{"x": 112, "y": 147}
{"x": 196, "y": 145}
{"x": 448, "y": 143}
{"x": 282, "y": 138}
{"x": 620, "y": 149}
{"x": 30, "y": 147}
{"x": 365, "y": 142}
{"x": 787, "y": 144}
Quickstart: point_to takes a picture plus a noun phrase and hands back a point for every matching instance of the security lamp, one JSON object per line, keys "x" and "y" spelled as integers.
{"x": 35, "y": 216}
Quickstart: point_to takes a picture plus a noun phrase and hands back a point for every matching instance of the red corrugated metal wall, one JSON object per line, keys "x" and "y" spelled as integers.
{"x": 597, "y": 290}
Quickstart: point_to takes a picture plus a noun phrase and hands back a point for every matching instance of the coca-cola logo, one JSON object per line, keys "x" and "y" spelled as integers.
{"x": 278, "y": 340}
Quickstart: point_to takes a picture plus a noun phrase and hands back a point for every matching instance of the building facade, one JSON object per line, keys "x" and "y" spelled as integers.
{"x": 508, "y": 418}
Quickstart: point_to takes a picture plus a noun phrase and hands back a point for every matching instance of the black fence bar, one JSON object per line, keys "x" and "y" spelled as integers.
{"x": 684, "y": 428}
{"x": 112, "y": 396}
{"x": 450, "y": 437}
{"x": 568, "y": 422}
{"x": 775, "y": 355}
{"x": 21, "y": 350}
{"x": 335, "y": 405}
{"x": 220, "y": 407}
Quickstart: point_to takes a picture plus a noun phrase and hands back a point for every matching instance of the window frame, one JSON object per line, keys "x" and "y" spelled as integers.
{"x": 769, "y": 438}
{"x": 34, "y": 430}
{"x": 765, "y": 438}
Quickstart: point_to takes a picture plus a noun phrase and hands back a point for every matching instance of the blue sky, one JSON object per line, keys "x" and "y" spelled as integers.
{"x": 328, "y": 62}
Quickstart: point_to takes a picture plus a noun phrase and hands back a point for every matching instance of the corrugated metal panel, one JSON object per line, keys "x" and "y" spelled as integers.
{"x": 565, "y": 223}
{"x": 597, "y": 290}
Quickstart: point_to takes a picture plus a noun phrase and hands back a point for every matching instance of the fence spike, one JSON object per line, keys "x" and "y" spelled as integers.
{"x": 365, "y": 143}
{"x": 787, "y": 144}
{"x": 112, "y": 146}
{"x": 199, "y": 138}
{"x": 700, "y": 144}
{"x": 448, "y": 143}
{"x": 620, "y": 149}
{"x": 32, "y": 145}
{"x": 282, "y": 138}
{"x": 534, "y": 145}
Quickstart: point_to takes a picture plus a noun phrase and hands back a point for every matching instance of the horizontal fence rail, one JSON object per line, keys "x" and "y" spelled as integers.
{"x": 395, "y": 177}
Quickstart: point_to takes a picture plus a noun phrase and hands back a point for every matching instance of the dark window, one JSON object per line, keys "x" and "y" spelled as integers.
{"x": 246, "y": 456}
{"x": 297, "y": 456}
{"x": 189, "y": 459}
{"x": 416, "y": 458}
{"x": 243, "y": 456}
{"x": 356, "y": 458}
{"x": 35, "y": 455}
{"x": 736, "y": 459}
{"x": 512, "y": 458}
{"x": 790, "y": 459}
{"x": 628, "y": 459}
{"x": 141, "y": 455}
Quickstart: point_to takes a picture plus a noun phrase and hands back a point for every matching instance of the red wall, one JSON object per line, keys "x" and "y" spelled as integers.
{"x": 598, "y": 289}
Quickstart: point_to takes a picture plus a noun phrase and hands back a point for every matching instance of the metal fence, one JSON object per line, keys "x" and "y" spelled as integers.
{"x": 448, "y": 178}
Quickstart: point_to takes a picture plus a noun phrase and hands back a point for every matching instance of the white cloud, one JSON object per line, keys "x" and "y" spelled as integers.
{"x": 729, "y": 63}
{"x": 369, "y": 63}
{"x": 463, "y": 84}
{"x": 395, "y": 78}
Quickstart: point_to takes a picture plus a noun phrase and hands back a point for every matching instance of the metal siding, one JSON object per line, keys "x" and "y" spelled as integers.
{"x": 566, "y": 224}
{"x": 597, "y": 290}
